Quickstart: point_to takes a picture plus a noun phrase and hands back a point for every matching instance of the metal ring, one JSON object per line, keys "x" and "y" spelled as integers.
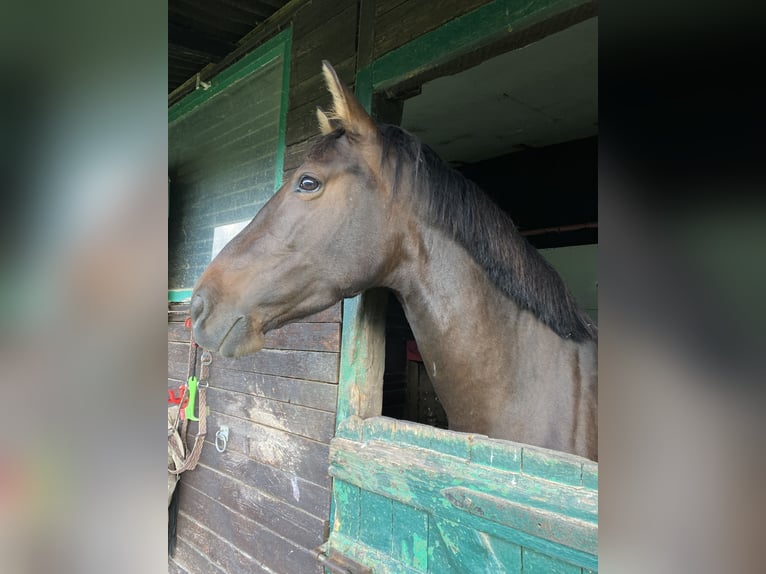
{"x": 222, "y": 437}
{"x": 207, "y": 357}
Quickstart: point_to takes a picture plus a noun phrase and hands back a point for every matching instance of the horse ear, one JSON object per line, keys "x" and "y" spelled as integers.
{"x": 346, "y": 108}
{"x": 324, "y": 122}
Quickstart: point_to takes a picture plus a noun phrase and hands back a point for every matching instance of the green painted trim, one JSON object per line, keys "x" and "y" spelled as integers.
{"x": 284, "y": 104}
{"x": 363, "y": 87}
{"x": 461, "y": 35}
{"x": 179, "y": 295}
{"x": 279, "y": 45}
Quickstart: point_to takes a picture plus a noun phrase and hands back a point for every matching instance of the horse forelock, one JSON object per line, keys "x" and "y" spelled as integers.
{"x": 446, "y": 199}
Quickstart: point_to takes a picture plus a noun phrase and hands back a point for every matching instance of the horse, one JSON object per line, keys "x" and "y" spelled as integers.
{"x": 509, "y": 352}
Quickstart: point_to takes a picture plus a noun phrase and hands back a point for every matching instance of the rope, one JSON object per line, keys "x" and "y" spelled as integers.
{"x": 199, "y": 439}
{"x": 192, "y": 458}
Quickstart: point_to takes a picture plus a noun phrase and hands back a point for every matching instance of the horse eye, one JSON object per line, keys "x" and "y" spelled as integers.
{"x": 308, "y": 184}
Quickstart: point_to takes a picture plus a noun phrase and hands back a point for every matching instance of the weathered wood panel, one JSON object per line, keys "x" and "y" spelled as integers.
{"x": 226, "y": 532}
{"x": 195, "y": 523}
{"x": 407, "y": 20}
{"x": 190, "y": 559}
{"x": 178, "y": 332}
{"x": 309, "y": 365}
{"x": 488, "y": 500}
{"x": 333, "y": 40}
{"x": 311, "y": 423}
{"x": 305, "y": 337}
{"x": 175, "y": 568}
{"x": 322, "y": 396}
{"x": 284, "y": 519}
{"x": 303, "y": 457}
{"x": 280, "y": 484}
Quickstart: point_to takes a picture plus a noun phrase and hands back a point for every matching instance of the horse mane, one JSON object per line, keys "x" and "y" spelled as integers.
{"x": 454, "y": 204}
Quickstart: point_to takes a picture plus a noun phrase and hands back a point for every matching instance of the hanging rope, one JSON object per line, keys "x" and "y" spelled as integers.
{"x": 189, "y": 462}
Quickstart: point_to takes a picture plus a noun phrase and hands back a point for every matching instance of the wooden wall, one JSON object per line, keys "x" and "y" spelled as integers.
{"x": 263, "y": 504}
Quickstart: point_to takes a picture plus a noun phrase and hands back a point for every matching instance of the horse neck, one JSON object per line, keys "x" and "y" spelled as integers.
{"x": 479, "y": 348}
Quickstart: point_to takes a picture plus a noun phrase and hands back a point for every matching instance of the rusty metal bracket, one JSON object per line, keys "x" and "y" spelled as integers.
{"x": 338, "y": 563}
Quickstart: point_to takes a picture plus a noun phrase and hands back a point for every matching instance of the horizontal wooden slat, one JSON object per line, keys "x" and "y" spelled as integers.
{"x": 192, "y": 560}
{"x": 175, "y": 568}
{"x": 414, "y": 18}
{"x": 334, "y": 40}
{"x": 178, "y": 332}
{"x": 294, "y": 490}
{"x": 295, "y": 454}
{"x": 305, "y": 337}
{"x": 194, "y": 523}
{"x": 311, "y": 365}
{"x": 269, "y": 549}
{"x": 289, "y": 521}
{"x": 311, "y": 423}
{"x": 312, "y": 394}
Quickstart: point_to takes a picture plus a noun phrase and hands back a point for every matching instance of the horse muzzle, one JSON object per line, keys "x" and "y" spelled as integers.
{"x": 226, "y": 333}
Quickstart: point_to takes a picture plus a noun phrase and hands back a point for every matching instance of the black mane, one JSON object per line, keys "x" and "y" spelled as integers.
{"x": 456, "y": 205}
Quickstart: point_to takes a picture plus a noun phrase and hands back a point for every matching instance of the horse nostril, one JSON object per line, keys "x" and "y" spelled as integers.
{"x": 197, "y": 309}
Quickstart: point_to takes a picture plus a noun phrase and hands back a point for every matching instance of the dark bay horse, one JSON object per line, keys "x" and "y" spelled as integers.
{"x": 509, "y": 352}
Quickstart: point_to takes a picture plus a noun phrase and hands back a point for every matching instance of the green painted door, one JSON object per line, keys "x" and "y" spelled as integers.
{"x": 412, "y": 498}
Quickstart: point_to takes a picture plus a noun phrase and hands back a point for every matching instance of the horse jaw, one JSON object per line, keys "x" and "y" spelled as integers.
{"x": 248, "y": 343}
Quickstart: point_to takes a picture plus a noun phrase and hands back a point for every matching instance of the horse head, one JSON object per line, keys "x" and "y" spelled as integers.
{"x": 325, "y": 235}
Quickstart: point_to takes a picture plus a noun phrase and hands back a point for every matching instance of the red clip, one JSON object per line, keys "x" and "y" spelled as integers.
{"x": 174, "y": 399}
{"x": 188, "y": 323}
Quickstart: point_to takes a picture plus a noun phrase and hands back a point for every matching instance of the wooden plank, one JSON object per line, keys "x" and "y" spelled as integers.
{"x": 537, "y": 563}
{"x": 383, "y": 6}
{"x": 461, "y": 549}
{"x": 278, "y": 483}
{"x": 175, "y": 568}
{"x": 550, "y": 526}
{"x": 305, "y": 337}
{"x": 499, "y": 454}
{"x": 410, "y": 531}
{"x": 414, "y": 18}
{"x": 178, "y": 332}
{"x": 362, "y": 355}
{"x": 563, "y": 469}
{"x": 347, "y": 499}
{"x": 285, "y": 519}
{"x": 376, "y": 521}
{"x": 302, "y": 457}
{"x": 192, "y": 560}
{"x": 219, "y": 550}
{"x": 329, "y": 315}
{"x": 420, "y": 478}
{"x": 366, "y": 33}
{"x": 334, "y": 41}
{"x": 312, "y": 394}
{"x": 303, "y": 120}
{"x": 246, "y": 535}
{"x": 311, "y": 16}
{"x": 310, "y": 365}
{"x": 311, "y": 423}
